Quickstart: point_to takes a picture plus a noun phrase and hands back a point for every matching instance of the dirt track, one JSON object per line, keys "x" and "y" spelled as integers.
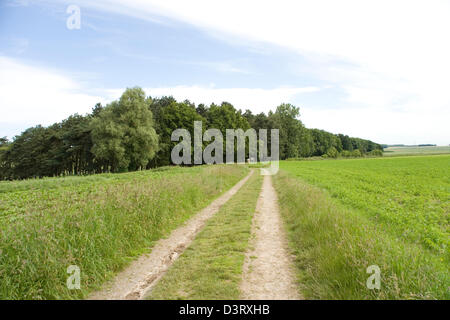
{"x": 138, "y": 278}
{"x": 268, "y": 271}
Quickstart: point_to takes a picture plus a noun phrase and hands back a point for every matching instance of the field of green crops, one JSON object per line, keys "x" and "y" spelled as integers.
{"x": 98, "y": 223}
{"x": 344, "y": 215}
{"x": 411, "y": 194}
{"x": 427, "y": 150}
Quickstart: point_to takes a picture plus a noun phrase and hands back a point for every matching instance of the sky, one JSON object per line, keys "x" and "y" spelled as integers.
{"x": 378, "y": 70}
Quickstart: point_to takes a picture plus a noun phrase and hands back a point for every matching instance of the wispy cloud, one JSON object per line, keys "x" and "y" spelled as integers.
{"x": 19, "y": 45}
{"x": 37, "y": 95}
{"x": 388, "y": 60}
{"x": 220, "y": 66}
{"x": 33, "y": 95}
{"x": 17, "y": 3}
{"x": 392, "y": 55}
{"x": 256, "y": 99}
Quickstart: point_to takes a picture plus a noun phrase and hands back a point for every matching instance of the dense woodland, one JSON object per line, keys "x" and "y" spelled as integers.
{"x": 134, "y": 133}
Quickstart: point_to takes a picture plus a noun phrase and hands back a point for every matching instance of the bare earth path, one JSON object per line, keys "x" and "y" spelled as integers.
{"x": 133, "y": 282}
{"x": 268, "y": 271}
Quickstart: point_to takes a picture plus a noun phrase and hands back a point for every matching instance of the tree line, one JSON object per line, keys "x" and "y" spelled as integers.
{"x": 134, "y": 133}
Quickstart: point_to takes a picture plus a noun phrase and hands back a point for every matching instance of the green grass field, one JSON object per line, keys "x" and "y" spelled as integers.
{"x": 98, "y": 222}
{"x": 342, "y": 216}
{"x": 402, "y": 151}
{"x": 345, "y": 215}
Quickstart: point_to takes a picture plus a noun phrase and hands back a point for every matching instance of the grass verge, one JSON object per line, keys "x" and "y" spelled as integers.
{"x": 211, "y": 267}
{"x": 334, "y": 245}
{"x": 99, "y": 224}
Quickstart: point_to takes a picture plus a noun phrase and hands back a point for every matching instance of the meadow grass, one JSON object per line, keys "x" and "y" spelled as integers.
{"x": 392, "y": 213}
{"x": 99, "y": 223}
{"x": 211, "y": 267}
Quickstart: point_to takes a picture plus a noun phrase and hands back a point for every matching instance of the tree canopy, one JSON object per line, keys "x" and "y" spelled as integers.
{"x": 123, "y": 134}
{"x": 134, "y": 133}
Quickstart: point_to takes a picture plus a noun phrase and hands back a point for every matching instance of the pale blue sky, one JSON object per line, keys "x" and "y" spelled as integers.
{"x": 205, "y": 54}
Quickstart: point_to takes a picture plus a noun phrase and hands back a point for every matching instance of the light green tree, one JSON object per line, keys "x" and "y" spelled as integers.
{"x": 123, "y": 135}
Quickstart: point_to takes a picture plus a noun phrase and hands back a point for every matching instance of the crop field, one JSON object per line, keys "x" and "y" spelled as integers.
{"x": 402, "y": 151}
{"x": 99, "y": 223}
{"x": 345, "y": 215}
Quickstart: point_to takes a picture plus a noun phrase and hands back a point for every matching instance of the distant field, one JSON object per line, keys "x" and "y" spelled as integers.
{"x": 396, "y": 151}
{"x": 98, "y": 223}
{"x": 345, "y": 215}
